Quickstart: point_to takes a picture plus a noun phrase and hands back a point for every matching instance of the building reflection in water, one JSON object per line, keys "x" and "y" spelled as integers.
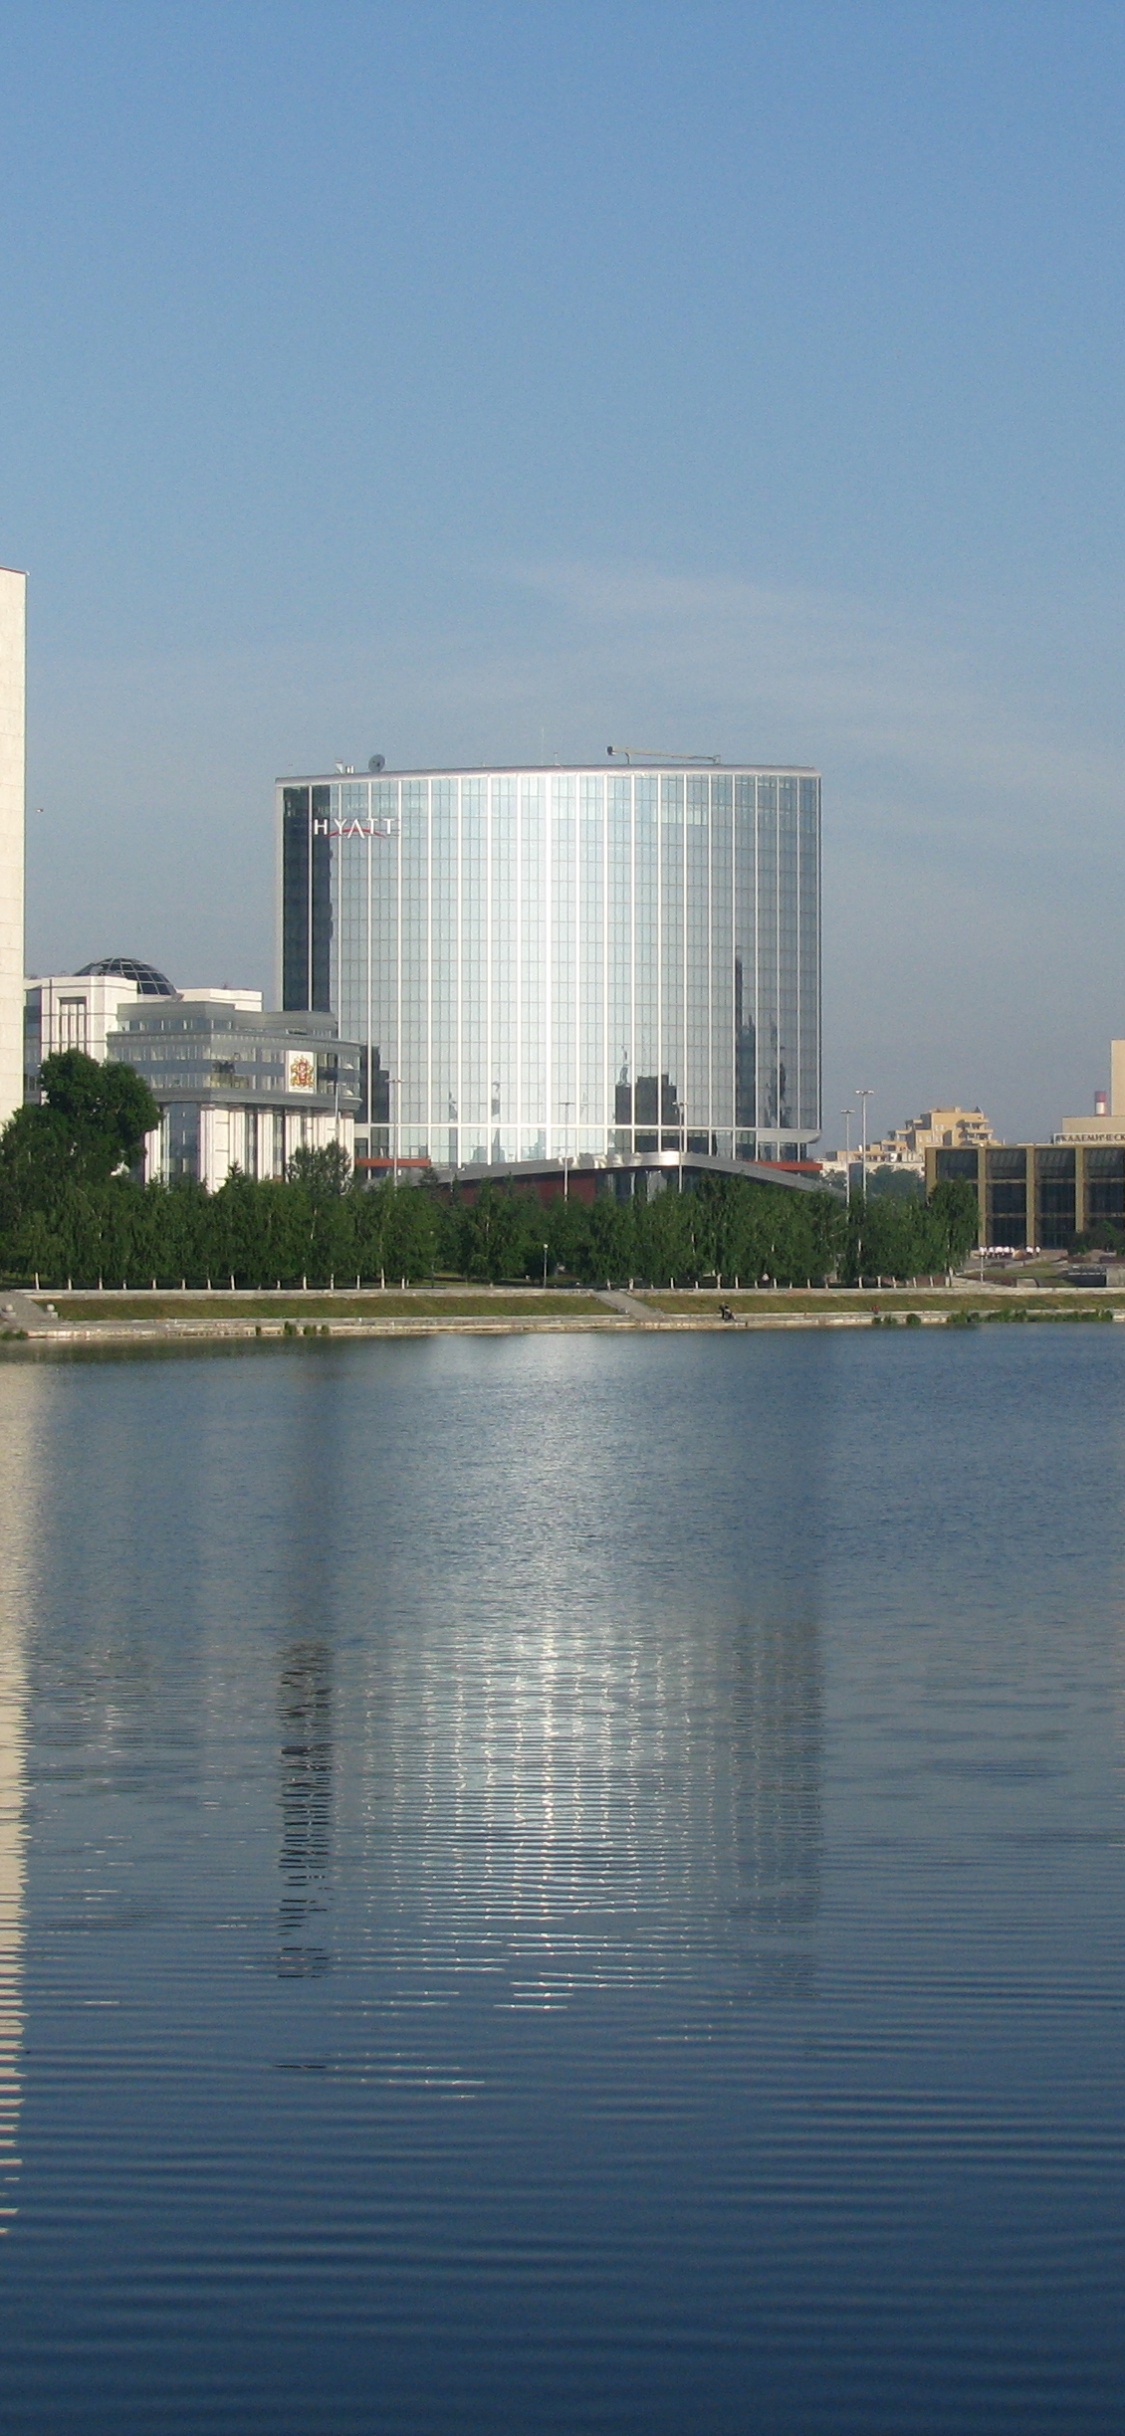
{"x": 18, "y": 1473}
{"x": 604, "y": 1809}
{"x": 313, "y": 1463}
{"x": 598, "y": 1766}
{"x": 775, "y": 1826}
{"x": 305, "y": 1716}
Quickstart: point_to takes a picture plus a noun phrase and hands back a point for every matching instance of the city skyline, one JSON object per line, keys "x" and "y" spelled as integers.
{"x": 807, "y": 457}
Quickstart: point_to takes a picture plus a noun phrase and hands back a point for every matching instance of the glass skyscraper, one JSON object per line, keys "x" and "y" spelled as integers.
{"x": 557, "y": 963}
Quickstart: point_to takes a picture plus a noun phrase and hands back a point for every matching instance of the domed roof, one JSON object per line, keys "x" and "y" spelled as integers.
{"x": 150, "y": 983}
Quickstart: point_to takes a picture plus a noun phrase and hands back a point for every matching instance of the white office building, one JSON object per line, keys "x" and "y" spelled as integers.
{"x": 237, "y": 1087}
{"x": 13, "y": 658}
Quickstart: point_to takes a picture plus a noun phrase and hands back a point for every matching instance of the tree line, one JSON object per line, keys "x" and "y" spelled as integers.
{"x": 70, "y": 1212}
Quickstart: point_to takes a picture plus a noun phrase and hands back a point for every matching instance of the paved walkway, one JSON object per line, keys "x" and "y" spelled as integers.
{"x": 18, "y": 1310}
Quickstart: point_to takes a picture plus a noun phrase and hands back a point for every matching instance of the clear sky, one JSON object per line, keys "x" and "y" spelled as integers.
{"x": 469, "y": 382}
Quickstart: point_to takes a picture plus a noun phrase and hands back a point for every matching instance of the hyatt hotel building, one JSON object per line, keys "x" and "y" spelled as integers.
{"x": 572, "y": 964}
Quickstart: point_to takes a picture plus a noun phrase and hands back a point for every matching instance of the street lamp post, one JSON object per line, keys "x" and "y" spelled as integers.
{"x": 864, "y": 1094}
{"x": 544, "y": 1264}
{"x": 848, "y": 1114}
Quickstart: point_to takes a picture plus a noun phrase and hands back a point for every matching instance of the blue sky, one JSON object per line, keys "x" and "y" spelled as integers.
{"x": 478, "y": 382}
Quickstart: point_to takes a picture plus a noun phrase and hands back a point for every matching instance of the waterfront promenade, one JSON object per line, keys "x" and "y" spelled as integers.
{"x": 133, "y": 1316}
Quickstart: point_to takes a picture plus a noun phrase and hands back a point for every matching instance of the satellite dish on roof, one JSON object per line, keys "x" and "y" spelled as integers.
{"x": 378, "y": 761}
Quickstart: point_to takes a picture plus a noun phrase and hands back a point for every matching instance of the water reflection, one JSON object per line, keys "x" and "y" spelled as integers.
{"x": 592, "y": 1808}
{"x": 568, "y": 1729}
{"x": 776, "y": 1755}
{"x": 588, "y": 1751}
{"x": 437, "y": 1738}
{"x": 18, "y": 1472}
{"x": 305, "y": 1710}
{"x": 311, "y": 1466}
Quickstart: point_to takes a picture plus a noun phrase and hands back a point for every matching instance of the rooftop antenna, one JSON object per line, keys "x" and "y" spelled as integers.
{"x": 648, "y": 752}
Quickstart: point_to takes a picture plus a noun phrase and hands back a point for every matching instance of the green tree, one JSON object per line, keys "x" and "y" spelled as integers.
{"x": 881, "y": 1238}
{"x": 325, "y": 1175}
{"x": 409, "y": 1234}
{"x": 590, "y": 1240}
{"x": 499, "y": 1234}
{"x": 897, "y": 1183}
{"x": 106, "y": 1111}
{"x": 956, "y": 1209}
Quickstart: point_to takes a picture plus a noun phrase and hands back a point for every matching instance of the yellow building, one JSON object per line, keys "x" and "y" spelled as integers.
{"x": 936, "y": 1129}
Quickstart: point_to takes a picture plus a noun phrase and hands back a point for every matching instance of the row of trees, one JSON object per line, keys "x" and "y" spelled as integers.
{"x": 725, "y": 1228}
{"x": 65, "y": 1214}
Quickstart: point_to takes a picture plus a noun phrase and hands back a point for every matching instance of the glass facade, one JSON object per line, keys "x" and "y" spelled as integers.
{"x": 1006, "y": 1174}
{"x": 1105, "y": 1185}
{"x": 306, "y": 918}
{"x": 1038, "y": 1194}
{"x": 1055, "y": 1213}
{"x": 563, "y": 963}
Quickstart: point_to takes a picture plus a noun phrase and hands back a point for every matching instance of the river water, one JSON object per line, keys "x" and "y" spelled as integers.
{"x": 565, "y": 1885}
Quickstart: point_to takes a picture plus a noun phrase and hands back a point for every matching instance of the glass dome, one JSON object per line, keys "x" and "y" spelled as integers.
{"x": 150, "y": 983}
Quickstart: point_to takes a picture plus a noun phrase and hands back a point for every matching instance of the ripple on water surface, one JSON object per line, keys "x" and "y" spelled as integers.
{"x": 565, "y": 1885}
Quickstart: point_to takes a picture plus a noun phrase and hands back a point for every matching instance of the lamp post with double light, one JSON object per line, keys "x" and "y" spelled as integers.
{"x": 864, "y": 1093}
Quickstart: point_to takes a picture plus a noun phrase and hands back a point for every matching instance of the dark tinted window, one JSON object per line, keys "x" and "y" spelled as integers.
{"x": 295, "y": 898}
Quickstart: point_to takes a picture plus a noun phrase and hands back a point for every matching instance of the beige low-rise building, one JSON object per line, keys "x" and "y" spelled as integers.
{"x": 1037, "y": 1196}
{"x": 1040, "y": 1195}
{"x": 935, "y": 1129}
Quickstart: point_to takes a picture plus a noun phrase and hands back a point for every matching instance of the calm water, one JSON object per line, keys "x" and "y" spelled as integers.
{"x": 565, "y": 1886}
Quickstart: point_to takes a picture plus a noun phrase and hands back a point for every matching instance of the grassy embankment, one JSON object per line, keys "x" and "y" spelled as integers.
{"x": 453, "y": 1301}
{"x": 963, "y": 1299}
{"x": 415, "y": 1303}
